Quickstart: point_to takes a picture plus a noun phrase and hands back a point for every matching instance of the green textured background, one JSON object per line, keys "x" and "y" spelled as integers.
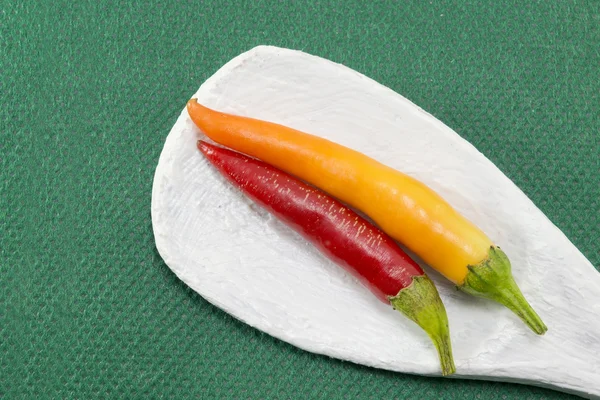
{"x": 88, "y": 94}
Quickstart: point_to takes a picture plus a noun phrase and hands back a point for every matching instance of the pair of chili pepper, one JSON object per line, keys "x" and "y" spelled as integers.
{"x": 405, "y": 210}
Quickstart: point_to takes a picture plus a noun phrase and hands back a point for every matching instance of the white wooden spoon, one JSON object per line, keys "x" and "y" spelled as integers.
{"x": 249, "y": 264}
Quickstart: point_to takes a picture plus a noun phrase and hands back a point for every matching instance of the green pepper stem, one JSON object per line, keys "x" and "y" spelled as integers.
{"x": 492, "y": 279}
{"x": 422, "y": 304}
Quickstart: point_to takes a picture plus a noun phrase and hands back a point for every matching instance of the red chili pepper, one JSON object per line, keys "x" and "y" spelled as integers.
{"x": 345, "y": 237}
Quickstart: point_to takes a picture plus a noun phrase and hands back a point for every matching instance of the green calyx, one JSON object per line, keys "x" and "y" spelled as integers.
{"x": 492, "y": 278}
{"x": 421, "y": 303}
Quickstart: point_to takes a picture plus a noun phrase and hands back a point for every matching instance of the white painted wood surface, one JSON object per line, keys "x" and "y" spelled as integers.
{"x": 249, "y": 264}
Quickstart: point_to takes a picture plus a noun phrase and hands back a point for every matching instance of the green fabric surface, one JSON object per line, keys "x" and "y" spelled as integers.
{"x": 89, "y": 91}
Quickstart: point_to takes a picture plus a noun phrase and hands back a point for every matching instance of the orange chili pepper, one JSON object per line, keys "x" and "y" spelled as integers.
{"x": 403, "y": 207}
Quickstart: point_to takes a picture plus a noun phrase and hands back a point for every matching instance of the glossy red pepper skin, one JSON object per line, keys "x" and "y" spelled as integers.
{"x": 346, "y": 238}
{"x": 336, "y": 230}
